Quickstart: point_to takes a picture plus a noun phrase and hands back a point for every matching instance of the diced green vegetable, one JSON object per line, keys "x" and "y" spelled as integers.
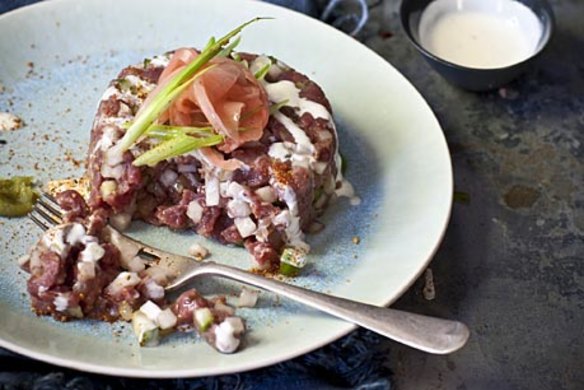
{"x": 17, "y": 196}
{"x": 176, "y": 146}
{"x": 203, "y": 318}
{"x": 289, "y": 270}
{"x": 317, "y": 194}
{"x": 343, "y": 164}
{"x": 292, "y": 261}
{"x": 145, "y": 329}
{"x": 175, "y": 86}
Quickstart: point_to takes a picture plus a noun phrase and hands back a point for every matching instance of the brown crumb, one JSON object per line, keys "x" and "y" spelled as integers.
{"x": 10, "y": 121}
{"x": 356, "y": 240}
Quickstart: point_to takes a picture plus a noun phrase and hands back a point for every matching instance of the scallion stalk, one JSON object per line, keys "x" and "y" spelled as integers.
{"x": 175, "y": 146}
{"x": 229, "y": 48}
{"x": 260, "y": 74}
{"x": 168, "y": 93}
{"x": 165, "y": 132}
{"x": 274, "y": 108}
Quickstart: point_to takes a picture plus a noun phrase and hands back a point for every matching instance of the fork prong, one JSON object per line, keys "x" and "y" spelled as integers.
{"x": 39, "y": 220}
{"x": 47, "y": 215}
{"x": 50, "y": 204}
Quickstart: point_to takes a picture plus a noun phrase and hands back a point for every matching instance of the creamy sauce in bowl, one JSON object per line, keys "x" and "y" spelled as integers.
{"x": 482, "y": 34}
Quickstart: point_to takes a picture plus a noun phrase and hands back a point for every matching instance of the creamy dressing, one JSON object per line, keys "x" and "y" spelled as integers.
{"x": 480, "y": 34}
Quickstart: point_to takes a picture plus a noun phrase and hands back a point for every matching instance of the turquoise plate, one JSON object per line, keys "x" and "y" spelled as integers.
{"x": 57, "y": 58}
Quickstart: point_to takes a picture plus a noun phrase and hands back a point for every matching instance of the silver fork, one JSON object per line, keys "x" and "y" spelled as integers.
{"x": 429, "y": 334}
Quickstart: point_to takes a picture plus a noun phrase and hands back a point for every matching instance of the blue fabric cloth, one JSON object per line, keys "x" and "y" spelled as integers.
{"x": 353, "y": 362}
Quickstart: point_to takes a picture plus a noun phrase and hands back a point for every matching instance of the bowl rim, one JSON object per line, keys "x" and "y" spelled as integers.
{"x": 547, "y": 38}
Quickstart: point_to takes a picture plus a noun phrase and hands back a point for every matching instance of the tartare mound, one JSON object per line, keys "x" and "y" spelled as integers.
{"x": 261, "y": 188}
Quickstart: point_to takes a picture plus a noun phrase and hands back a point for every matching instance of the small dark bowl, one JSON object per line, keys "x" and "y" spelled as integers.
{"x": 474, "y": 79}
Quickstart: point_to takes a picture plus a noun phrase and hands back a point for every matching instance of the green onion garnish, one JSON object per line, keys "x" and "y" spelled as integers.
{"x": 165, "y": 97}
{"x": 274, "y": 108}
{"x": 260, "y": 74}
{"x": 166, "y": 132}
{"x": 176, "y": 146}
{"x": 228, "y": 49}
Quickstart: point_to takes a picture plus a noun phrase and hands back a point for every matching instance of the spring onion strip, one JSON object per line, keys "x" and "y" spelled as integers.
{"x": 166, "y": 132}
{"x": 175, "y": 146}
{"x": 227, "y": 51}
{"x": 260, "y": 74}
{"x": 166, "y": 96}
{"x": 274, "y": 108}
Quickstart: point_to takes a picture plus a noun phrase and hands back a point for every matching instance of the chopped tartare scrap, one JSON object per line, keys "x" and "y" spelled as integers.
{"x": 198, "y": 251}
{"x": 10, "y": 122}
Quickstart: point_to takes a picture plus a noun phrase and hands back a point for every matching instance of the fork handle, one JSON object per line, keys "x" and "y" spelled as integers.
{"x": 429, "y": 334}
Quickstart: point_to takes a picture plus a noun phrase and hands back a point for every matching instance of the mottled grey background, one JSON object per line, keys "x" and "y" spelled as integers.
{"x": 512, "y": 262}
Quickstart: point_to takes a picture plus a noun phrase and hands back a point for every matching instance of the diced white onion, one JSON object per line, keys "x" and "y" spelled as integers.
{"x": 267, "y": 194}
{"x": 245, "y": 226}
{"x": 54, "y": 241}
{"x": 113, "y": 156}
{"x": 154, "y": 290}
{"x": 168, "y": 177}
{"x": 86, "y": 270}
{"x": 238, "y": 209}
{"x": 166, "y": 319}
{"x": 247, "y": 298}
{"x": 114, "y": 172}
{"x": 107, "y": 188}
{"x": 225, "y": 335}
{"x": 75, "y": 234}
{"x": 236, "y": 190}
{"x": 236, "y": 324}
{"x": 61, "y": 302}
{"x": 92, "y": 252}
{"x": 282, "y": 218}
{"x": 145, "y": 329}
{"x": 123, "y": 280}
{"x": 195, "y": 211}
{"x": 198, "y": 251}
{"x": 151, "y": 310}
{"x": 211, "y": 189}
{"x": 135, "y": 264}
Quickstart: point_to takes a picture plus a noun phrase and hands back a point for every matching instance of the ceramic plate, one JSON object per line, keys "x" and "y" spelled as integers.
{"x": 57, "y": 57}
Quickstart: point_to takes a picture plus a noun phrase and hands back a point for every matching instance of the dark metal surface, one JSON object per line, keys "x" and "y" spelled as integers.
{"x": 512, "y": 262}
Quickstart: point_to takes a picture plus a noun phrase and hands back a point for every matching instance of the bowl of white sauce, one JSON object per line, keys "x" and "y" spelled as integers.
{"x": 478, "y": 45}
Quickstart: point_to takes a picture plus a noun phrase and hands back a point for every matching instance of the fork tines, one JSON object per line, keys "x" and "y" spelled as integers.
{"x": 46, "y": 213}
